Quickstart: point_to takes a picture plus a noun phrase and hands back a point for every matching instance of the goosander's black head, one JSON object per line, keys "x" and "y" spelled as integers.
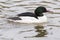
{"x": 40, "y": 10}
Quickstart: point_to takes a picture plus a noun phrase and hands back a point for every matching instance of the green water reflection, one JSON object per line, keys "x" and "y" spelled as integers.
{"x": 41, "y": 31}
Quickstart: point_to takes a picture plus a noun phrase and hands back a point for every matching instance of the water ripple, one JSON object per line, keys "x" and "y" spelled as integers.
{"x": 10, "y": 8}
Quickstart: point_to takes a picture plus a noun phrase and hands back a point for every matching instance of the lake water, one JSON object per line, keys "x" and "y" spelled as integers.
{"x": 17, "y": 31}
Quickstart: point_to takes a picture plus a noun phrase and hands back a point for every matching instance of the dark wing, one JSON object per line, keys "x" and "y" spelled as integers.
{"x": 27, "y": 14}
{"x": 14, "y": 18}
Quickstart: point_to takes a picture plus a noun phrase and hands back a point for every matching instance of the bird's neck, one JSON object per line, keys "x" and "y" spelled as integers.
{"x": 39, "y": 14}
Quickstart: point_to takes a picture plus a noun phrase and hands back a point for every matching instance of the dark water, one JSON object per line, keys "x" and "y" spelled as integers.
{"x": 17, "y": 31}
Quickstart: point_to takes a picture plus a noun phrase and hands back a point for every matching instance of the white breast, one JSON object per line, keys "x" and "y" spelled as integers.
{"x": 27, "y": 19}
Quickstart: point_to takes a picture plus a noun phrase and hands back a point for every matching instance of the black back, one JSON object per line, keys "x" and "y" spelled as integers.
{"x": 27, "y": 14}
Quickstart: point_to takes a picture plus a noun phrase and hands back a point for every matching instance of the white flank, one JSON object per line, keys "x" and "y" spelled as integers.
{"x": 27, "y": 19}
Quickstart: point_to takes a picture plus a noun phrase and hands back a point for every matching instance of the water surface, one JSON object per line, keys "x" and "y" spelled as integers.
{"x": 17, "y": 31}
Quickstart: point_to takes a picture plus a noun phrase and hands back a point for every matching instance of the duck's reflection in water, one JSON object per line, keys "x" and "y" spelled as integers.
{"x": 41, "y": 31}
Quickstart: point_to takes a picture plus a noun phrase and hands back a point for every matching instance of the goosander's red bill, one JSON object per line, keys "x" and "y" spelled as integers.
{"x": 50, "y": 11}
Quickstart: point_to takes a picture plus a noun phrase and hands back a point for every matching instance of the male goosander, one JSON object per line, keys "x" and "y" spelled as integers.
{"x": 28, "y": 17}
